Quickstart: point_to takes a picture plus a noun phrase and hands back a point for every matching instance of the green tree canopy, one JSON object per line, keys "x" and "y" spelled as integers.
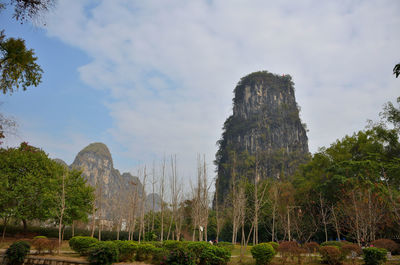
{"x": 18, "y": 65}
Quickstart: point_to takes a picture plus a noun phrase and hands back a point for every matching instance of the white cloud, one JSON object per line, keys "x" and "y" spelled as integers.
{"x": 171, "y": 66}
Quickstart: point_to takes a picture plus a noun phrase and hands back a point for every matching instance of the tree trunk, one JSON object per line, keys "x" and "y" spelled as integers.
{"x": 4, "y": 228}
{"x": 25, "y": 226}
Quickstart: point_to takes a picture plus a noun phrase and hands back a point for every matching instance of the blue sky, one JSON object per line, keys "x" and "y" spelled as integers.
{"x": 156, "y": 77}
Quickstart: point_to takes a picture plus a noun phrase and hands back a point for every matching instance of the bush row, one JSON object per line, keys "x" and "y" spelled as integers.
{"x": 332, "y": 253}
{"x": 166, "y": 252}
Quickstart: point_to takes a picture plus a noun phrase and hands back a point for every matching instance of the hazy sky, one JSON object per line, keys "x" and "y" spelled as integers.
{"x": 156, "y": 77}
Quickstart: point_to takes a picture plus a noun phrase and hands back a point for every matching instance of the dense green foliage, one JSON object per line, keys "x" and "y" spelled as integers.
{"x": 180, "y": 256}
{"x": 126, "y": 249}
{"x": 374, "y": 256}
{"x": 31, "y": 187}
{"x": 82, "y": 244}
{"x": 103, "y": 253}
{"x": 144, "y": 251}
{"x": 16, "y": 253}
{"x": 17, "y": 65}
{"x": 263, "y": 253}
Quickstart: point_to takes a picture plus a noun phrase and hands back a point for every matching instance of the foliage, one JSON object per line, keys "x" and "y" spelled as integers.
{"x": 311, "y": 247}
{"x": 103, "y": 253}
{"x": 16, "y": 253}
{"x": 263, "y": 253}
{"x": 374, "y": 256}
{"x": 331, "y": 255}
{"x": 144, "y": 251}
{"x": 387, "y": 244}
{"x": 338, "y": 244}
{"x": 172, "y": 244}
{"x": 29, "y": 183}
{"x": 126, "y": 249}
{"x": 81, "y": 244}
{"x": 396, "y": 70}
{"x": 42, "y": 243}
{"x": 17, "y": 65}
{"x": 79, "y": 197}
{"x": 180, "y": 256}
{"x": 290, "y": 249}
{"x": 348, "y": 249}
{"x": 159, "y": 255}
{"x": 212, "y": 255}
{"x": 274, "y": 245}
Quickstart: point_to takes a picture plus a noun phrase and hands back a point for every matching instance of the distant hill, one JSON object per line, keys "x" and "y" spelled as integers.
{"x": 116, "y": 189}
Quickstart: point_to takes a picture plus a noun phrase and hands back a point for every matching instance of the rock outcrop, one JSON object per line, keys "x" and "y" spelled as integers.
{"x": 265, "y": 129}
{"x": 113, "y": 188}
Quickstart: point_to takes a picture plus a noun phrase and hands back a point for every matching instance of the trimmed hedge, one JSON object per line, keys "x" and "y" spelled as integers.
{"x": 374, "y": 256}
{"x": 263, "y": 253}
{"x": 331, "y": 255}
{"x": 127, "y": 250}
{"x": 81, "y": 244}
{"x": 103, "y": 253}
{"x": 338, "y": 244}
{"x": 275, "y": 245}
{"x": 387, "y": 244}
{"x": 16, "y": 253}
{"x": 144, "y": 251}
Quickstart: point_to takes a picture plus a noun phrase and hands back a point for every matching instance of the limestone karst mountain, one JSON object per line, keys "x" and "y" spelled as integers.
{"x": 264, "y": 129}
{"x": 114, "y": 190}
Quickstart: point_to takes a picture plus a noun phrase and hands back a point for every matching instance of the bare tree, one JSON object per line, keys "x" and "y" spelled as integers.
{"x": 162, "y": 195}
{"x": 142, "y": 206}
{"x": 200, "y": 201}
{"x": 60, "y": 213}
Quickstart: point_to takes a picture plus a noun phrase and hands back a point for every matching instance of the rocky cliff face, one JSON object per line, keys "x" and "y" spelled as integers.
{"x": 112, "y": 188}
{"x": 265, "y": 129}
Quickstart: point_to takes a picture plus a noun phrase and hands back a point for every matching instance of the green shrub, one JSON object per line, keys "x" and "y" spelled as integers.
{"x": 16, "y": 253}
{"x": 374, "y": 256}
{"x": 213, "y": 255}
{"x": 274, "y": 245}
{"x": 103, "y": 253}
{"x": 263, "y": 253}
{"x": 81, "y": 244}
{"x": 37, "y": 237}
{"x": 331, "y": 255}
{"x": 126, "y": 249}
{"x": 387, "y": 244}
{"x": 332, "y": 243}
{"x": 197, "y": 247}
{"x": 172, "y": 244}
{"x": 160, "y": 256}
{"x": 180, "y": 256}
{"x": 144, "y": 251}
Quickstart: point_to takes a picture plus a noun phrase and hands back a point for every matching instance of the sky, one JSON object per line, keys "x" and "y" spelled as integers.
{"x": 155, "y": 78}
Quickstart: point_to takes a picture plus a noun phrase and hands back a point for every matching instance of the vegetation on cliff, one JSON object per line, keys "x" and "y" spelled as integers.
{"x": 265, "y": 129}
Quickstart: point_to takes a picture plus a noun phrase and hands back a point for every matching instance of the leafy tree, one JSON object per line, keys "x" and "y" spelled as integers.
{"x": 18, "y": 65}
{"x": 396, "y": 70}
{"x": 29, "y": 179}
{"x": 78, "y": 197}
